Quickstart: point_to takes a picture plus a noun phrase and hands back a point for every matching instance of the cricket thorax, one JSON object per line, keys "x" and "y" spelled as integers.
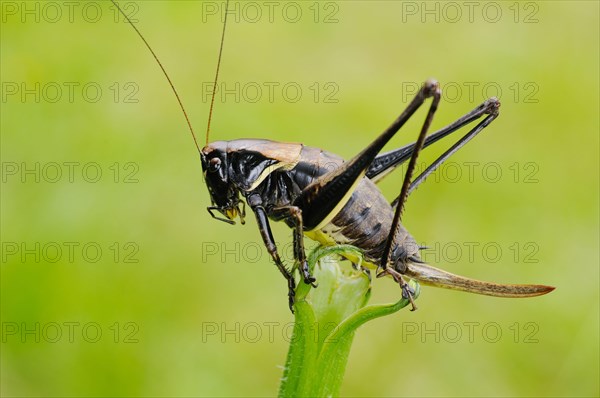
{"x": 289, "y": 171}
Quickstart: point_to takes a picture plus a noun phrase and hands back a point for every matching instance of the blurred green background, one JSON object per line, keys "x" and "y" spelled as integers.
{"x": 189, "y": 306}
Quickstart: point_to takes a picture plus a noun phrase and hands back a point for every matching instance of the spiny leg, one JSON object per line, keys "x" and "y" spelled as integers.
{"x": 391, "y": 242}
{"x": 265, "y": 231}
{"x": 407, "y": 292}
{"x": 319, "y": 199}
{"x": 294, "y": 215}
{"x": 493, "y": 113}
{"x": 490, "y": 108}
{"x": 387, "y": 162}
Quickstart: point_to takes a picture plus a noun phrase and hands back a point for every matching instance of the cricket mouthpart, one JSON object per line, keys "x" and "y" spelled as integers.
{"x": 431, "y": 276}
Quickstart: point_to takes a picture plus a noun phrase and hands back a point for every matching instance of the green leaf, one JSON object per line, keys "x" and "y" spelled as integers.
{"x": 326, "y": 320}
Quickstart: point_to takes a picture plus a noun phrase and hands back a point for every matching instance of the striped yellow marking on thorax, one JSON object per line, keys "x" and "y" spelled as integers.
{"x": 268, "y": 170}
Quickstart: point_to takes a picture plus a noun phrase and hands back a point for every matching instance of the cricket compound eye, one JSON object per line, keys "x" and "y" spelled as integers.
{"x": 214, "y": 164}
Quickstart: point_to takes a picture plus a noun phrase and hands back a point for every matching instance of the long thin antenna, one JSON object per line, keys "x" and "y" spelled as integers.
{"x": 164, "y": 71}
{"x": 212, "y": 100}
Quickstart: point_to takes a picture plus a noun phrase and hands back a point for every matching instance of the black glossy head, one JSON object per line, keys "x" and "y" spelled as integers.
{"x": 223, "y": 193}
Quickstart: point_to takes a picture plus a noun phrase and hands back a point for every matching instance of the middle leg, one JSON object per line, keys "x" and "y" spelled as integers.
{"x": 293, "y": 214}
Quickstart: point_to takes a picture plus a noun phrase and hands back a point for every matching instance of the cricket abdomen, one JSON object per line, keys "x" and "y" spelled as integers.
{"x": 365, "y": 222}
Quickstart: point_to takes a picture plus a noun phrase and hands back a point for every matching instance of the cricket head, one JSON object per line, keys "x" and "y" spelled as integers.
{"x": 224, "y": 195}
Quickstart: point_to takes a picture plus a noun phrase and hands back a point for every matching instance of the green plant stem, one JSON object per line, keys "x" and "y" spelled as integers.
{"x": 326, "y": 319}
